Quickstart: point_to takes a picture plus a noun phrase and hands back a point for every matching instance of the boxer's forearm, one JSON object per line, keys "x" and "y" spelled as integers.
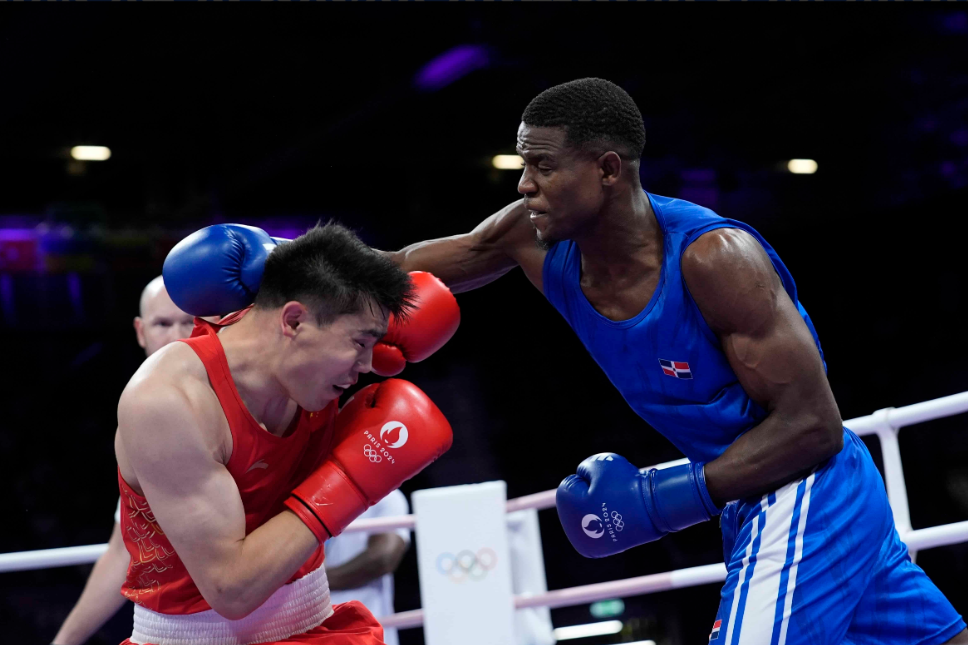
{"x": 454, "y": 260}
{"x": 777, "y": 451}
{"x": 469, "y": 261}
{"x": 101, "y": 597}
{"x": 253, "y": 568}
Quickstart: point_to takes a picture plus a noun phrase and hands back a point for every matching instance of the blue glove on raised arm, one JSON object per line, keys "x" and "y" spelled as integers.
{"x": 218, "y": 269}
{"x": 609, "y": 506}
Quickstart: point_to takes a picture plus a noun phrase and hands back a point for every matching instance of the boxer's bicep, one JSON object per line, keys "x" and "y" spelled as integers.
{"x": 191, "y": 493}
{"x": 779, "y": 366}
{"x": 765, "y": 339}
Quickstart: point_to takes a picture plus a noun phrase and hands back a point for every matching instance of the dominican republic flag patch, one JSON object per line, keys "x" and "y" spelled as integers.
{"x": 675, "y": 369}
{"x": 714, "y": 635}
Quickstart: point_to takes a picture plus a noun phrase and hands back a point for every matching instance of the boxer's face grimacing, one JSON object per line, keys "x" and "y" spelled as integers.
{"x": 561, "y": 184}
{"x": 324, "y": 360}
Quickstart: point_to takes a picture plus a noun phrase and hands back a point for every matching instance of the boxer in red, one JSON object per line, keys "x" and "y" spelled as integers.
{"x": 235, "y": 465}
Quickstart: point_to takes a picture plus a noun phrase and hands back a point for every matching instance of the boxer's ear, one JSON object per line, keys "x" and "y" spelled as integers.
{"x": 139, "y": 330}
{"x": 292, "y": 314}
{"x": 611, "y": 168}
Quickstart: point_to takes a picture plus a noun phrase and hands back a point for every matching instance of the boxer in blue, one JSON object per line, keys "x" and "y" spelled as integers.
{"x": 696, "y": 321}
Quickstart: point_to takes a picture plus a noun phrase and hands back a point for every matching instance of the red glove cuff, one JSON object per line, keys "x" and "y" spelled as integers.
{"x": 296, "y": 505}
{"x": 330, "y": 497}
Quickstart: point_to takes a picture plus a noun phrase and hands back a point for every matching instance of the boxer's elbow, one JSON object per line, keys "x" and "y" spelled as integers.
{"x": 231, "y": 608}
{"x": 824, "y": 437}
{"x": 231, "y": 600}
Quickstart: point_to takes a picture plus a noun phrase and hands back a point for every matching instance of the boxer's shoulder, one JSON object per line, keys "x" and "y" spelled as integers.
{"x": 170, "y": 395}
{"x": 173, "y": 369}
{"x": 511, "y": 229}
{"x": 731, "y": 278}
{"x": 721, "y": 247}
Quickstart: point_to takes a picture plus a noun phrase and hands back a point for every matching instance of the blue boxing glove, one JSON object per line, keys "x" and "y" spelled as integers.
{"x": 610, "y": 506}
{"x": 218, "y": 269}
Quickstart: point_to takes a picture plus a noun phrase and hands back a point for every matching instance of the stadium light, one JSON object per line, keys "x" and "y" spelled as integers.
{"x": 591, "y": 629}
{"x": 90, "y": 153}
{"x": 508, "y": 162}
{"x": 802, "y": 166}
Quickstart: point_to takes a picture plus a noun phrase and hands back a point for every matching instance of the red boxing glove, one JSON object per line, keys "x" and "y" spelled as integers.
{"x": 387, "y": 433}
{"x": 431, "y": 324}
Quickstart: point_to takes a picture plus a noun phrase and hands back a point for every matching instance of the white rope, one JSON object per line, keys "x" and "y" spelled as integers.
{"x": 48, "y": 558}
{"x": 910, "y": 415}
{"x": 691, "y": 577}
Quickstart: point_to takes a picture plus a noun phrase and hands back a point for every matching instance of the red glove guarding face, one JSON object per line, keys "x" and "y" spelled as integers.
{"x": 430, "y": 325}
{"x": 387, "y": 433}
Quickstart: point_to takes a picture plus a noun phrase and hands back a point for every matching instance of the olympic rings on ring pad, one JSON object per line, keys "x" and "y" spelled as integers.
{"x": 467, "y": 564}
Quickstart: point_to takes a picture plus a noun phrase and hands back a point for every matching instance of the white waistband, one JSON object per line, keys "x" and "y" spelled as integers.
{"x": 292, "y": 609}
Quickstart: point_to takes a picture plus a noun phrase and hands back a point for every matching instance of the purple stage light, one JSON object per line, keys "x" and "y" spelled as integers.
{"x": 284, "y": 232}
{"x": 18, "y": 234}
{"x": 955, "y": 22}
{"x": 450, "y": 66}
{"x": 19, "y": 249}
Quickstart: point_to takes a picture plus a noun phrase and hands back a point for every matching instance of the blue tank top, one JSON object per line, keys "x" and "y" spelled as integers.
{"x": 666, "y": 361}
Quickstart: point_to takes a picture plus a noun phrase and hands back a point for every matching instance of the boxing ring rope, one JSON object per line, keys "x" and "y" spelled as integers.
{"x": 884, "y": 423}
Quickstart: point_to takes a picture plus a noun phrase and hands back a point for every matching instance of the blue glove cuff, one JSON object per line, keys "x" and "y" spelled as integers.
{"x": 679, "y": 497}
{"x": 707, "y": 500}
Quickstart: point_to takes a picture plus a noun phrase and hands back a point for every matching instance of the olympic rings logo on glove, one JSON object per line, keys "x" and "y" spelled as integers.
{"x": 595, "y": 526}
{"x": 617, "y": 521}
{"x": 372, "y": 454}
{"x": 467, "y": 564}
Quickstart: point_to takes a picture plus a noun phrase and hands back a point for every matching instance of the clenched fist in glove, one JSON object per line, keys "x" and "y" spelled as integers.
{"x": 387, "y": 433}
{"x": 218, "y": 269}
{"x": 431, "y": 323}
{"x": 611, "y": 506}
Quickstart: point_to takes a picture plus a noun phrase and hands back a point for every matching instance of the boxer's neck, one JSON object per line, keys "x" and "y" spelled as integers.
{"x": 252, "y": 352}
{"x": 623, "y": 238}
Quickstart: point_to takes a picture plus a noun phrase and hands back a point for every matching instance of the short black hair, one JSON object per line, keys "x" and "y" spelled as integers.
{"x": 592, "y": 111}
{"x": 331, "y": 271}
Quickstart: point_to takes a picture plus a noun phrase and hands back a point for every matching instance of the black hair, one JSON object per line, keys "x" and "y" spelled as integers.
{"x": 592, "y": 111}
{"x": 331, "y": 271}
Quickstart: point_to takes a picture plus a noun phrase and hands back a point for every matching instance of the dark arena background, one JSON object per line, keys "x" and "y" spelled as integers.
{"x": 387, "y": 118}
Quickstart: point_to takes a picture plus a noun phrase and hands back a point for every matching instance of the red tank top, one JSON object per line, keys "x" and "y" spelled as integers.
{"x": 265, "y": 468}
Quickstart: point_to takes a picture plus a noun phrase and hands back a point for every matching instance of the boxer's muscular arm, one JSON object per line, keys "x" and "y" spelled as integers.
{"x": 771, "y": 350}
{"x": 168, "y": 436}
{"x": 464, "y": 262}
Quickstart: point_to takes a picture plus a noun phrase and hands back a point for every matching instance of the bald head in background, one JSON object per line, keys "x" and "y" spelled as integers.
{"x": 160, "y": 321}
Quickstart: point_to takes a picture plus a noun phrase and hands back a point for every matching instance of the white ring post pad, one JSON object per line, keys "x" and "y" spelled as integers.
{"x": 464, "y": 564}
